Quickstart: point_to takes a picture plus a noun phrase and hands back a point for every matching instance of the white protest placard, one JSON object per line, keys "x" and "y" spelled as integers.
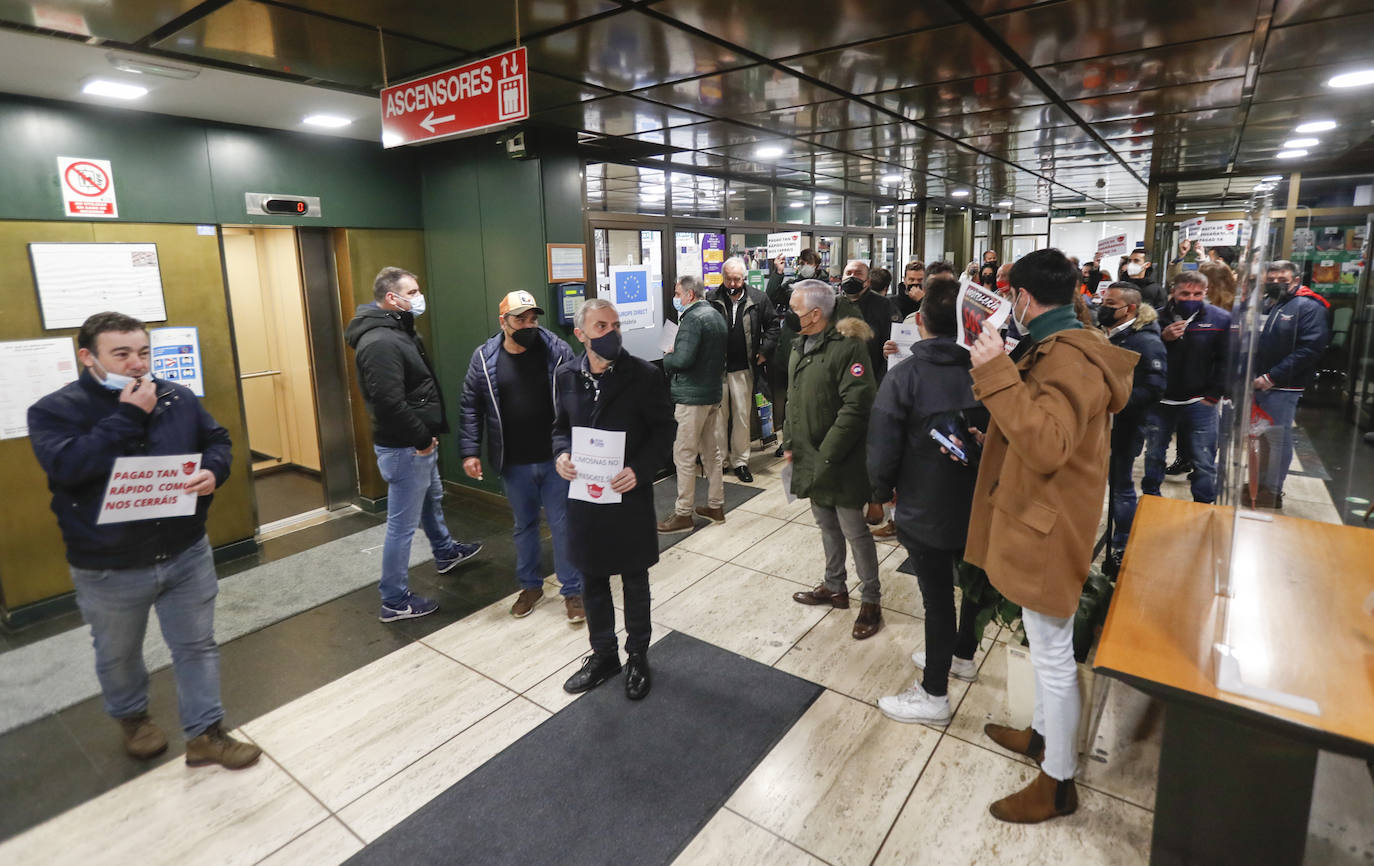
{"x": 87, "y": 188}
{"x": 1191, "y": 228}
{"x": 1112, "y": 246}
{"x": 784, "y": 244}
{"x": 599, "y": 455}
{"x": 978, "y": 308}
{"x": 905, "y": 336}
{"x": 176, "y": 357}
{"x": 144, "y": 488}
{"x": 78, "y": 279}
{"x": 33, "y": 369}
{"x": 633, "y": 299}
{"x": 1220, "y": 233}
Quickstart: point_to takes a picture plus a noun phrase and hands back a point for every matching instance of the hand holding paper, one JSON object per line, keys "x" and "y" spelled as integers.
{"x": 978, "y": 312}
{"x": 598, "y": 457}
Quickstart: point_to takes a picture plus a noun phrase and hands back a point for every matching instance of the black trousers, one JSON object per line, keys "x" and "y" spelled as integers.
{"x": 596, "y": 597}
{"x": 935, "y": 574}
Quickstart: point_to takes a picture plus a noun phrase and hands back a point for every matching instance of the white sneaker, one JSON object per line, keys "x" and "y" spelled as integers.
{"x": 916, "y": 705}
{"x": 960, "y": 669}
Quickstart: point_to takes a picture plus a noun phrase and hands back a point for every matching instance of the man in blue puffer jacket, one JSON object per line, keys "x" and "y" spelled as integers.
{"x": 509, "y": 397}
{"x": 1292, "y": 340}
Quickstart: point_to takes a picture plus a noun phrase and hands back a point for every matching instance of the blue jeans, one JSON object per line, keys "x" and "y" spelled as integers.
{"x": 1197, "y": 425}
{"x": 414, "y": 496}
{"x": 1282, "y": 406}
{"x": 115, "y": 603}
{"x": 1128, "y": 437}
{"x": 529, "y": 485}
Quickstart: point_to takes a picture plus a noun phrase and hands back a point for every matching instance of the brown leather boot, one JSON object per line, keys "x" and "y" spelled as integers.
{"x": 869, "y": 621}
{"x": 715, "y": 515}
{"x": 821, "y": 595}
{"x": 676, "y": 523}
{"x": 1044, "y": 798}
{"x": 142, "y": 738}
{"x": 214, "y": 746}
{"x": 1026, "y": 741}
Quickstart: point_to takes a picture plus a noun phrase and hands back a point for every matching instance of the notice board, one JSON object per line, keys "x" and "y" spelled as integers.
{"x": 77, "y": 280}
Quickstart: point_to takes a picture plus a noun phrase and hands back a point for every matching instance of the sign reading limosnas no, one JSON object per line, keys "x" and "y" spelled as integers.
{"x": 476, "y": 96}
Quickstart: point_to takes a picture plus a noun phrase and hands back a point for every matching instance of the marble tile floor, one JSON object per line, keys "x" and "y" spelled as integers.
{"x": 350, "y": 759}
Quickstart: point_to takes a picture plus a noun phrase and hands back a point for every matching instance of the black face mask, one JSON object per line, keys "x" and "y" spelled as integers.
{"x": 792, "y": 320}
{"x": 607, "y": 346}
{"x": 1275, "y": 290}
{"x": 852, "y": 286}
{"x": 735, "y": 293}
{"x": 525, "y": 337}
{"x": 1106, "y": 316}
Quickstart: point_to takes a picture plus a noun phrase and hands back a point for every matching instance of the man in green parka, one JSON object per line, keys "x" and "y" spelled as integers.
{"x": 830, "y": 392}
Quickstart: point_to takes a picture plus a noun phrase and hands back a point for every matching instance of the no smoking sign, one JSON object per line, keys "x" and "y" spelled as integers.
{"x": 87, "y": 187}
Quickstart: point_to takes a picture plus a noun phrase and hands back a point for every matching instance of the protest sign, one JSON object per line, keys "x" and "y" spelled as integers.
{"x": 977, "y": 309}
{"x": 143, "y": 488}
{"x": 599, "y": 455}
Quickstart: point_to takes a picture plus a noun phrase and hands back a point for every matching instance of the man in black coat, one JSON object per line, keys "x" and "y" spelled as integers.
{"x": 610, "y": 389}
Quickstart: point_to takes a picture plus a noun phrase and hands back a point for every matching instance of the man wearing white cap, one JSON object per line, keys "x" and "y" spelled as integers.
{"x": 508, "y": 395}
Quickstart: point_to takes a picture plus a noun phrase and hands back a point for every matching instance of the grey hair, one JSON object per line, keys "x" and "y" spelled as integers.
{"x": 692, "y": 285}
{"x": 735, "y": 262}
{"x": 1191, "y": 277}
{"x": 580, "y": 314}
{"x": 387, "y": 280}
{"x": 815, "y": 295}
{"x": 1283, "y": 265}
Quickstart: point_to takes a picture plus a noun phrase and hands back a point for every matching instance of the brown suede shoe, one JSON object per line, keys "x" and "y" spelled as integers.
{"x": 821, "y": 595}
{"x": 576, "y": 613}
{"x": 1026, "y": 741}
{"x": 214, "y": 746}
{"x": 142, "y": 738}
{"x": 677, "y": 523}
{"x": 869, "y": 621}
{"x": 887, "y": 530}
{"x": 715, "y": 515}
{"x": 525, "y": 602}
{"x": 1044, "y": 798}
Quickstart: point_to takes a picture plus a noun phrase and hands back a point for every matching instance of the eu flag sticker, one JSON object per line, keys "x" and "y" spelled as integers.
{"x": 630, "y": 288}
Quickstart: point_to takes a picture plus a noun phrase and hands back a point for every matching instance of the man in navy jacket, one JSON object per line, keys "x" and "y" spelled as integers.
{"x": 120, "y": 570}
{"x": 1292, "y": 339}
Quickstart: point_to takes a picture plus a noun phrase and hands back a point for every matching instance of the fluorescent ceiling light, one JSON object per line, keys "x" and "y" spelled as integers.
{"x": 141, "y": 66}
{"x": 1358, "y": 78}
{"x": 796, "y": 204}
{"x": 769, "y": 152}
{"x": 892, "y": 178}
{"x": 822, "y": 199}
{"x": 1004, "y": 203}
{"x": 1316, "y": 126}
{"x": 1290, "y": 154}
{"x": 327, "y": 121}
{"x": 113, "y": 89}
{"x": 1272, "y": 177}
{"x": 1037, "y": 210}
{"x": 1301, "y": 142}
{"x": 960, "y": 193}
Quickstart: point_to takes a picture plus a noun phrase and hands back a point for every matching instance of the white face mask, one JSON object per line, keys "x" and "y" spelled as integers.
{"x": 1135, "y": 269}
{"x": 417, "y": 304}
{"x": 1021, "y": 324}
{"x": 806, "y": 272}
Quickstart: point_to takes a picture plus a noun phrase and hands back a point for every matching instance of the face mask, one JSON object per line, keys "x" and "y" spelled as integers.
{"x": 525, "y": 337}
{"x": 1135, "y": 269}
{"x": 417, "y": 304}
{"x": 1274, "y": 290}
{"x": 736, "y": 292}
{"x": 1106, "y": 316}
{"x": 114, "y": 381}
{"x": 678, "y": 305}
{"x": 1003, "y": 284}
{"x": 792, "y": 320}
{"x": 806, "y": 272}
{"x": 1020, "y": 322}
{"x": 1187, "y": 308}
{"x": 852, "y": 286}
{"x": 606, "y": 346}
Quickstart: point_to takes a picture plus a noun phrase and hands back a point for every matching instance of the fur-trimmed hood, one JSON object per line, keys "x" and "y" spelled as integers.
{"x": 854, "y": 327}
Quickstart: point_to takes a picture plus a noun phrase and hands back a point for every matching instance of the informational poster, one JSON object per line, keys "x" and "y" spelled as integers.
{"x": 632, "y": 297}
{"x": 689, "y": 262}
{"x": 756, "y": 279}
{"x": 567, "y": 263}
{"x": 145, "y": 488}
{"x": 784, "y": 244}
{"x": 905, "y": 336}
{"x": 712, "y": 258}
{"x": 176, "y": 357}
{"x": 599, "y": 455}
{"x": 1115, "y": 245}
{"x": 76, "y": 280}
{"x": 978, "y": 308}
{"x": 88, "y": 189}
{"x": 33, "y": 369}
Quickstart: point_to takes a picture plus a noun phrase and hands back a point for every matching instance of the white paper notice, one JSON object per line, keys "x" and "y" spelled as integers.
{"x": 599, "y": 455}
{"x": 978, "y": 309}
{"x": 143, "y": 488}
{"x": 176, "y": 357}
{"x": 1115, "y": 245}
{"x": 784, "y": 244}
{"x": 76, "y": 280}
{"x": 33, "y": 369}
{"x": 905, "y": 336}
{"x": 668, "y": 338}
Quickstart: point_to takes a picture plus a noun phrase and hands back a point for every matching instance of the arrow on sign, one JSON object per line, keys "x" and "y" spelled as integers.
{"x": 431, "y": 121}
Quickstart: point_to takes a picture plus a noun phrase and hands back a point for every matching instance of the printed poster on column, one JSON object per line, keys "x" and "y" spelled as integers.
{"x": 632, "y": 298}
{"x": 1112, "y": 246}
{"x": 88, "y": 189}
{"x": 33, "y": 369}
{"x": 176, "y": 357}
{"x": 712, "y": 257}
{"x": 978, "y": 309}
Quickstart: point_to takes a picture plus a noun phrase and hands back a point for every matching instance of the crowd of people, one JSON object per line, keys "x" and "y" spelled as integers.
{"x": 996, "y": 456}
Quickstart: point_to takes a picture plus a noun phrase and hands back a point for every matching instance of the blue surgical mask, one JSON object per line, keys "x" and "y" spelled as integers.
{"x": 678, "y": 305}
{"x": 417, "y": 304}
{"x": 113, "y": 381}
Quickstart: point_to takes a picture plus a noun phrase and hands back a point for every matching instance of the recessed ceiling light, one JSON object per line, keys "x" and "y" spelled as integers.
{"x": 885, "y": 209}
{"x": 1290, "y": 154}
{"x": 1161, "y": 213}
{"x": 822, "y": 199}
{"x": 769, "y": 152}
{"x": 1316, "y": 126}
{"x": 1004, "y": 203}
{"x": 1202, "y": 213}
{"x": 1037, "y": 210}
{"x": 327, "y": 121}
{"x": 796, "y": 204}
{"x": 1301, "y": 142}
{"x": 1272, "y": 177}
{"x": 892, "y": 178}
{"x": 140, "y": 66}
{"x": 391, "y": 139}
{"x": 113, "y": 89}
{"x": 1358, "y": 78}
{"x": 960, "y": 193}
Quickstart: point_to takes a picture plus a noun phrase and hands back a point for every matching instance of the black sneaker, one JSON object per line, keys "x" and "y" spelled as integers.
{"x": 1178, "y": 467}
{"x": 456, "y": 555}
{"x": 595, "y": 670}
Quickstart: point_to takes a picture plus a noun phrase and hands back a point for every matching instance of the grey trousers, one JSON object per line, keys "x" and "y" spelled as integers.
{"x": 839, "y": 525}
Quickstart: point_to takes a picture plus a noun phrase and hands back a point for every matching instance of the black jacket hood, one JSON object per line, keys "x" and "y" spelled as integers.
{"x": 942, "y": 350}
{"x": 370, "y": 316}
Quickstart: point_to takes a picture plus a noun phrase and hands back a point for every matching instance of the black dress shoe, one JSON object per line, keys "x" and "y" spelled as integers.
{"x": 743, "y": 474}
{"x": 637, "y": 680}
{"x": 1178, "y": 467}
{"x": 780, "y": 452}
{"x": 595, "y": 670}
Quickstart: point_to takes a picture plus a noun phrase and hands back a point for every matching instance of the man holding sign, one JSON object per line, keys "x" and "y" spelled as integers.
{"x": 613, "y": 423}
{"x": 95, "y": 439}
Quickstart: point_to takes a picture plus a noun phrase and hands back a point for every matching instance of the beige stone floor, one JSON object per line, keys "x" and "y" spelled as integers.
{"x": 844, "y": 786}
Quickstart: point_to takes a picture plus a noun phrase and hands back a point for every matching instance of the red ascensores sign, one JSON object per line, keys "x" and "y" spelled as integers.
{"x": 480, "y": 95}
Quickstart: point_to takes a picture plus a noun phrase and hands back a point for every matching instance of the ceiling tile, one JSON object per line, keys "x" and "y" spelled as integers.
{"x": 126, "y": 22}
{"x": 905, "y": 61}
{"x": 739, "y": 92}
{"x": 1330, "y": 41}
{"x": 1207, "y": 60}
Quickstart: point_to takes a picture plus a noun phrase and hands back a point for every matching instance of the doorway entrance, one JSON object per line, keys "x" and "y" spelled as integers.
{"x": 272, "y": 342}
